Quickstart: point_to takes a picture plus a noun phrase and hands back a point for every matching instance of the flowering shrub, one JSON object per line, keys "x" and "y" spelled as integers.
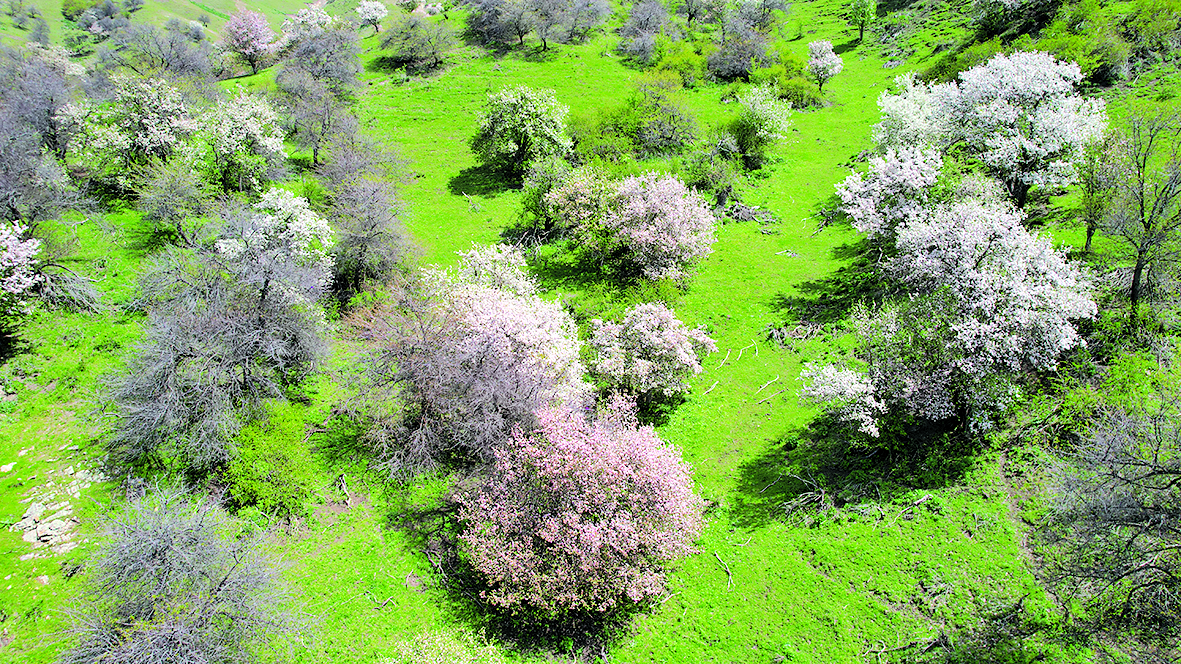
{"x": 307, "y": 23}
{"x": 579, "y": 202}
{"x": 146, "y": 119}
{"x": 519, "y": 125}
{"x": 762, "y": 121}
{"x": 242, "y": 142}
{"x": 18, "y": 273}
{"x": 895, "y": 190}
{"x": 911, "y": 117}
{"x": 848, "y": 394}
{"x": 580, "y": 515}
{"x": 823, "y": 63}
{"x": 650, "y": 351}
{"x": 658, "y": 226}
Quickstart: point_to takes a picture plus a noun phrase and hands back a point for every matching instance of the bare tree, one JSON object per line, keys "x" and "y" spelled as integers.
{"x": 34, "y": 89}
{"x": 149, "y": 51}
{"x": 1119, "y": 513}
{"x": 227, "y": 330}
{"x": 318, "y": 82}
{"x": 175, "y": 580}
{"x": 371, "y": 242}
{"x": 1146, "y": 215}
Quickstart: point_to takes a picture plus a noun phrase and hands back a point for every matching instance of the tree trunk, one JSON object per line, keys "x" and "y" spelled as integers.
{"x": 1091, "y": 228}
{"x": 861, "y": 32}
{"x": 1137, "y": 281}
{"x": 1020, "y": 192}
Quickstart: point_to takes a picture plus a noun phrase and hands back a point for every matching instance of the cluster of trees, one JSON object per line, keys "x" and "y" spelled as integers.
{"x": 974, "y": 298}
{"x": 505, "y": 21}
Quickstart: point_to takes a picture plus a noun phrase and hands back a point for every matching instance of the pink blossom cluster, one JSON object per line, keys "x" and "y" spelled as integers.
{"x": 895, "y": 190}
{"x": 248, "y": 34}
{"x": 581, "y": 515}
{"x": 18, "y": 268}
{"x": 664, "y": 225}
{"x": 651, "y": 350}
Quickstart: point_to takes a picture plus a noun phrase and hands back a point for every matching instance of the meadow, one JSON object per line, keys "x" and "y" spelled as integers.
{"x": 917, "y": 550}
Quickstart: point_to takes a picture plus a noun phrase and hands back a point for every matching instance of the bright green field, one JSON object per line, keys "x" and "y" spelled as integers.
{"x": 928, "y": 553}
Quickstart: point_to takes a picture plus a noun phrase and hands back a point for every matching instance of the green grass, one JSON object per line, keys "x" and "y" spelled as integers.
{"x": 891, "y": 567}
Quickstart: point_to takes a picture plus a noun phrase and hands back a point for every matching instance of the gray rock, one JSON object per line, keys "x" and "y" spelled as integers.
{"x": 35, "y": 511}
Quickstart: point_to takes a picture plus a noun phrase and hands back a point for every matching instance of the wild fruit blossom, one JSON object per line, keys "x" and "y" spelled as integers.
{"x": 769, "y": 118}
{"x": 242, "y": 137}
{"x": 1020, "y": 114}
{"x": 535, "y": 337}
{"x": 371, "y": 12}
{"x": 664, "y": 226}
{"x": 284, "y": 230}
{"x": 912, "y": 117}
{"x": 651, "y": 350}
{"x": 147, "y": 118}
{"x": 894, "y": 191}
{"x": 987, "y": 301}
{"x": 823, "y": 62}
{"x": 18, "y": 273}
{"x": 580, "y": 201}
{"x": 1016, "y": 295}
{"x": 496, "y": 266}
{"x": 306, "y": 23}
{"x": 581, "y": 515}
{"x": 848, "y": 394}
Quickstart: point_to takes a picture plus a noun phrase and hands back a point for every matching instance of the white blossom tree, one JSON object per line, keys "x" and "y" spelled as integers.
{"x": 984, "y": 301}
{"x": 649, "y": 352}
{"x": 371, "y": 12}
{"x": 241, "y": 142}
{"x": 18, "y": 273}
{"x": 519, "y": 125}
{"x": 823, "y": 63}
{"x": 896, "y": 190}
{"x": 1020, "y": 115}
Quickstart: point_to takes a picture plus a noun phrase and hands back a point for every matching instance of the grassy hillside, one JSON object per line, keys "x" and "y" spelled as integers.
{"x": 918, "y": 547}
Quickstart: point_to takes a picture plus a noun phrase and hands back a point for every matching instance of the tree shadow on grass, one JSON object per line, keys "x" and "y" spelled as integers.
{"x": 482, "y": 181}
{"x": 846, "y": 47}
{"x": 818, "y": 466}
{"x": 434, "y": 530}
{"x": 831, "y": 298}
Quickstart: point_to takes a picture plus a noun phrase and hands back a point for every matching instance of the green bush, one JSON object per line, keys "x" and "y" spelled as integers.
{"x": 273, "y": 468}
{"x": 72, "y": 9}
{"x": 685, "y": 59}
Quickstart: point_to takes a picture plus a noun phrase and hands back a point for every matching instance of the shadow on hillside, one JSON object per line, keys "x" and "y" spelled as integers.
{"x": 846, "y": 47}
{"x": 434, "y": 530}
{"x": 831, "y": 298}
{"x": 816, "y": 468}
{"x": 12, "y": 345}
{"x": 569, "y": 270}
{"x": 482, "y": 181}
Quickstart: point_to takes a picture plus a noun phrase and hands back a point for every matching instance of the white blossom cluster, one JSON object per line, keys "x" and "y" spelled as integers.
{"x": 823, "y": 62}
{"x": 848, "y": 394}
{"x": 1020, "y": 114}
{"x": 894, "y": 191}
{"x": 650, "y": 350}
{"x": 497, "y": 266}
{"x": 371, "y": 11}
{"x": 762, "y": 109}
{"x": 283, "y": 230}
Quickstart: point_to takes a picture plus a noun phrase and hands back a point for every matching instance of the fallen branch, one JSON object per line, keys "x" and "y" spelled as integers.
{"x": 772, "y": 484}
{"x": 766, "y": 384}
{"x": 729, "y": 576}
{"x": 773, "y": 395}
{"x": 711, "y": 388}
{"x": 740, "y": 351}
{"x": 728, "y": 351}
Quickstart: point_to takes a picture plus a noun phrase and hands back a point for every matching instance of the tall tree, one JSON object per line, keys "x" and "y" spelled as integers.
{"x": 1146, "y": 215}
{"x": 249, "y": 35}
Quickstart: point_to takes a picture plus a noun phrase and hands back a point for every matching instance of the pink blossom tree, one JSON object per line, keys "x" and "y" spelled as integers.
{"x": 18, "y": 272}
{"x": 249, "y": 35}
{"x": 457, "y": 363}
{"x": 823, "y": 62}
{"x": 657, "y": 226}
{"x": 580, "y": 515}
{"x": 650, "y": 352}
